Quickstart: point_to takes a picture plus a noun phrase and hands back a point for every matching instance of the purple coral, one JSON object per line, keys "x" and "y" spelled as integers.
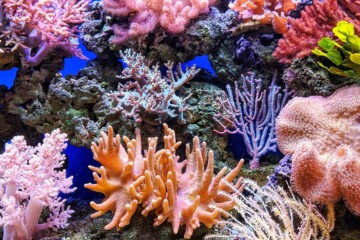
{"x": 282, "y": 170}
{"x": 252, "y": 113}
{"x": 151, "y": 92}
{"x": 30, "y": 180}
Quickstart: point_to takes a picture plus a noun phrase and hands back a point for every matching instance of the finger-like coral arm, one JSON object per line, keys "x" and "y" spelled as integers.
{"x": 180, "y": 192}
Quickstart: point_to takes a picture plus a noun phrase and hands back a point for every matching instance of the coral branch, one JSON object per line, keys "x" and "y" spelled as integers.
{"x": 252, "y": 112}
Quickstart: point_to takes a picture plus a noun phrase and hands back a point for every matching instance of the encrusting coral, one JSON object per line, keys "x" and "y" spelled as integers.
{"x": 265, "y": 11}
{"x": 157, "y": 180}
{"x": 324, "y": 138}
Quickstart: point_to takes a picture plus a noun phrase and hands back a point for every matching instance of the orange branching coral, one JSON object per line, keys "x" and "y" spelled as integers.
{"x": 118, "y": 178}
{"x": 181, "y": 192}
{"x": 324, "y": 138}
{"x": 265, "y": 11}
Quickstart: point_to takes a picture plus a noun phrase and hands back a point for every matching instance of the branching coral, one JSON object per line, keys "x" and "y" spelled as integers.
{"x": 36, "y": 27}
{"x": 265, "y": 11}
{"x": 181, "y": 192}
{"x": 145, "y": 15}
{"x": 29, "y": 182}
{"x": 151, "y": 93}
{"x": 324, "y": 138}
{"x": 316, "y": 22}
{"x": 252, "y": 112}
{"x": 272, "y": 213}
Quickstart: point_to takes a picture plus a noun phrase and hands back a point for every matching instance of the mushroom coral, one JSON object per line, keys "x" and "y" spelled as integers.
{"x": 323, "y": 136}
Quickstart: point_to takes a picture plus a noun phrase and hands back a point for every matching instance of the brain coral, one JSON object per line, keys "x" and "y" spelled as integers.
{"x": 323, "y": 134}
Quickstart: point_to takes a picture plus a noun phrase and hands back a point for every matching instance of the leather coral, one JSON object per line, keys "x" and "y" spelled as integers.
{"x": 180, "y": 192}
{"x": 323, "y": 134}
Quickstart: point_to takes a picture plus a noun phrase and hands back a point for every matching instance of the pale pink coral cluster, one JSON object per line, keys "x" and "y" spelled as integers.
{"x": 145, "y": 15}
{"x": 38, "y": 26}
{"x": 30, "y": 180}
{"x": 323, "y": 134}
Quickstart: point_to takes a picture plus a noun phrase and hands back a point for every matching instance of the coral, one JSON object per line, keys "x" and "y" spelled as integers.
{"x": 324, "y": 139}
{"x": 283, "y": 170}
{"x": 353, "y": 6}
{"x": 265, "y": 11}
{"x": 252, "y": 113}
{"x": 306, "y": 78}
{"x": 173, "y": 16}
{"x": 345, "y": 55}
{"x": 181, "y": 192}
{"x": 200, "y": 37}
{"x": 316, "y": 22}
{"x": 151, "y": 93}
{"x": 29, "y": 181}
{"x": 272, "y": 213}
{"x": 36, "y": 27}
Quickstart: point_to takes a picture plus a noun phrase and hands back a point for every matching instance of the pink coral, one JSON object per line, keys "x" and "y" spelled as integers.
{"x": 37, "y": 27}
{"x": 145, "y": 15}
{"x": 29, "y": 181}
{"x": 324, "y": 138}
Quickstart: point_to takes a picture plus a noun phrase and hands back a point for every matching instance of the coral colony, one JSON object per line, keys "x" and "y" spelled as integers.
{"x": 284, "y": 75}
{"x": 30, "y": 182}
{"x": 181, "y": 192}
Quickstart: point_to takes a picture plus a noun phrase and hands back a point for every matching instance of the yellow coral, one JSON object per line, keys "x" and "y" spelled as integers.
{"x": 158, "y": 181}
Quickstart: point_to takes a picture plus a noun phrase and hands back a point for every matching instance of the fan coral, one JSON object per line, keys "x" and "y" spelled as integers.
{"x": 37, "y": 27}
{"x": 252, "y": 113}
{"x": 265, "y": 11}
{"x": 274, "y": 214}
{"x": 316, "y": 22}
{"x": 324, "y": 138}
{"x": 29, "y": 182}
{"x": 150, "y": 92}
{"x": 156, "y": 180}
{"x": 145, "y": 15}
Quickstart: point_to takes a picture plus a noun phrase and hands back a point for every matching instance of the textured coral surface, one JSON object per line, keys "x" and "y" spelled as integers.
{"x": 323, "y": 134}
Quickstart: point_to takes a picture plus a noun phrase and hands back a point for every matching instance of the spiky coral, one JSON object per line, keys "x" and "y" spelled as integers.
{"x": 265, "y": 11}
{"x": 316, "y": 22}
{"x": 324, "y": 138}
{"x": 156, "y": 180}
{"x": 273, "y": 214}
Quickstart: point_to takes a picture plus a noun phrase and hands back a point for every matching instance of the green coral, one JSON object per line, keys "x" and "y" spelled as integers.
{"x": 344, "y": 53}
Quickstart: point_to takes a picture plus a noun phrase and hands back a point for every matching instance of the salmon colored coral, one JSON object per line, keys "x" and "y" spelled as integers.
{"x": 181, "y": 192}
{"x": 265, "y": 11}
{"x": 323, "y": 134}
